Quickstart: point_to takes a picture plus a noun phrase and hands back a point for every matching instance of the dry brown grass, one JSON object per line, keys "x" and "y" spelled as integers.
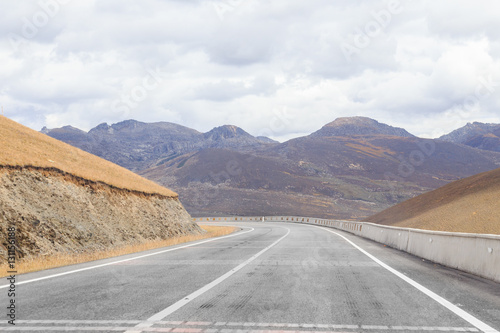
{"x": 470, "y": 205}
{"x": 41, "y": 263}
{"x": 22, "y": 146}
{"x": 364, "y": 147}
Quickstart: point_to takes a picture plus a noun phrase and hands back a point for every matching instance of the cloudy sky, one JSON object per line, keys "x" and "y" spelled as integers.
{"x": 280, "y": 68}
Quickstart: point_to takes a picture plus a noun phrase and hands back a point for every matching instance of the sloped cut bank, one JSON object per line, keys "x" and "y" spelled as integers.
{"x": 56, "y": 213}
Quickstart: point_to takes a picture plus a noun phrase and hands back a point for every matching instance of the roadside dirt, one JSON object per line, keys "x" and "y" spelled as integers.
{"x": 55, "y": 212}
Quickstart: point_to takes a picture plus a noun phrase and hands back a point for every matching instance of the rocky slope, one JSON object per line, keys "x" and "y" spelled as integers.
{"x": 63, "y": 200}
{"x": 58, "y": 213}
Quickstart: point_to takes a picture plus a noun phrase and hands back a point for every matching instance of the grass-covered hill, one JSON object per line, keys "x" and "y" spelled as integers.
{"x": 469, "y": 205}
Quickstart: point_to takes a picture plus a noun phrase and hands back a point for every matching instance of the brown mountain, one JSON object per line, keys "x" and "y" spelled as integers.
{"x": 350, "y": 173}
{"x": 349, "y": 169}
{"x": 468, "y": 205}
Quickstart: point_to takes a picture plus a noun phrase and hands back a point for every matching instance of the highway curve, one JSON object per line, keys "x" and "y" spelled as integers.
{"x": 270, "y": 277}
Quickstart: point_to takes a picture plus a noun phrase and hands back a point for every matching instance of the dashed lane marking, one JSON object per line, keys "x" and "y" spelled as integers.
{"x": 176, "y": 306}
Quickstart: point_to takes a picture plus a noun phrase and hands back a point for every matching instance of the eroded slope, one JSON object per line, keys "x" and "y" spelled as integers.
{"x": 62, "y": 200}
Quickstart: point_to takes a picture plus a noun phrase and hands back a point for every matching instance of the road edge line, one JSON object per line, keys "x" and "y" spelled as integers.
{"x": 128, "y": 259}
{"x": 447, "y": 304}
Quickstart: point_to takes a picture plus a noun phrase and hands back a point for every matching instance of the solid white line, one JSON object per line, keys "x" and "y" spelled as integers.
{"x": 450, "y": 306}
{"x": 269, "y": 328}
{"x": 129, "y": 259}
{"x": 176, "y": 306}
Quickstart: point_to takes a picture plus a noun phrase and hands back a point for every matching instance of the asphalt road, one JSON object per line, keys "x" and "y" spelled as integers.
{"x": 267, "y": 277}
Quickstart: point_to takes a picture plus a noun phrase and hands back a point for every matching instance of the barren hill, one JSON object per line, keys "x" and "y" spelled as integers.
{"x": 469, "y": 205}
{"x": 61, "y": 199}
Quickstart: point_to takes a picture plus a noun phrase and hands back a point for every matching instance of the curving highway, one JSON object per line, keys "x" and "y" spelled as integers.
{"x": 268, "y": 277}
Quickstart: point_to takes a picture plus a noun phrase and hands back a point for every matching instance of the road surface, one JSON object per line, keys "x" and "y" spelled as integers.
{"x": 270, "y": 277}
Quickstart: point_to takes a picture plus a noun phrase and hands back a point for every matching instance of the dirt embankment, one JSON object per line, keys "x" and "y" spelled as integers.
{"x": 55, "y": 212}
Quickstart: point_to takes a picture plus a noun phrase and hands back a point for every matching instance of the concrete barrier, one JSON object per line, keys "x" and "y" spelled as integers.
{"x": 473, "y": 253}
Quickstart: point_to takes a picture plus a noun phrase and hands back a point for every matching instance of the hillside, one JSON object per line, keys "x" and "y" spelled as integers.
{"x": 332, "y": 177}
{"x": 469, "y": 205}
{"x": 63, "y": 200}
{"x": 221, "y": 182}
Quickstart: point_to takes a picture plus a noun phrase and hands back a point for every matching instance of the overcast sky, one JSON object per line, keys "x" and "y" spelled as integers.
{"x": 280, "y": 68}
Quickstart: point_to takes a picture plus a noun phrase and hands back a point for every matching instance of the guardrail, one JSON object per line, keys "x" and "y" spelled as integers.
{"x": 473, "y": 253}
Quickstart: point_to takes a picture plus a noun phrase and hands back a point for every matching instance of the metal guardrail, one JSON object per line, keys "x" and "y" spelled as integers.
{"x": 478, "y": 254}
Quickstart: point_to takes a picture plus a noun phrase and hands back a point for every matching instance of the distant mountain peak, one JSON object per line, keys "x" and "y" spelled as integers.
{"x": 358, "y": 121}
{"x": 101, "y": 127}
{"x": 348, "y": 126}
{"x": 469, "y": 131}
{"x": 67, "y": 128}
{"x": 226, "y": 132}
{"x": 71, "y": 128}
{"x": 126, "y": 124}
{"x": 477, "y": 135}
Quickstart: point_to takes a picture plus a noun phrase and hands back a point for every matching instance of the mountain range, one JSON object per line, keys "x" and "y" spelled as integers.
{"x": 351, "y": 168}
{"x": 137, "y": 145}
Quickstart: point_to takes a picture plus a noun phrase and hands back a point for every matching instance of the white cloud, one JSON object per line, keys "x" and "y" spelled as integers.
{"x": 244, "y": 62}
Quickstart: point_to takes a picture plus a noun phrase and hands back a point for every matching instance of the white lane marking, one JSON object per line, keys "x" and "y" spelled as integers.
{"x": 76, "y": 322}
{"x": 130, "y": 259}
{"x": 176, "y": 306}
{"x": 187, "y": 326}
{"x": 69, "y": 329}
{"x": 450, "y": 306}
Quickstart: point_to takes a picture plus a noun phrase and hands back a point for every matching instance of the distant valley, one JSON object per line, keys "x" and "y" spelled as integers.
{"x": 349, "y": 169}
